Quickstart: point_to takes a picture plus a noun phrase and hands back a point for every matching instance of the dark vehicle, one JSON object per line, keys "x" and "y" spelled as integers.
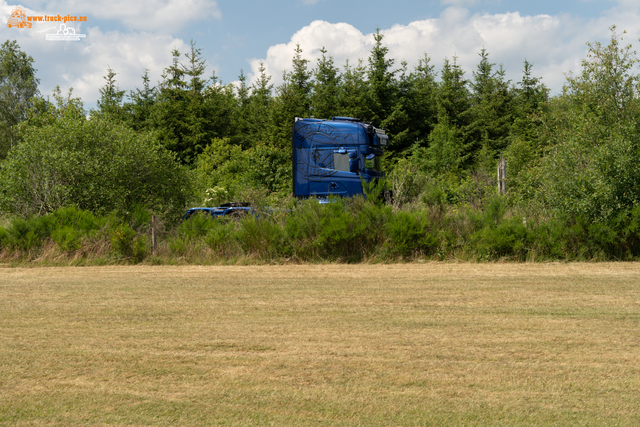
{"x": 233, "y": 210}
{"x": 333, "y": 157}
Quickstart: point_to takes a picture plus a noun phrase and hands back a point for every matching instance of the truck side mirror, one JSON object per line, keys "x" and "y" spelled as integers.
{"x": 354, "y": 162}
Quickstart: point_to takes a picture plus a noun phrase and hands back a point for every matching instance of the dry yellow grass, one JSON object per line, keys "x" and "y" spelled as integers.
{"x": 415, "y": 344}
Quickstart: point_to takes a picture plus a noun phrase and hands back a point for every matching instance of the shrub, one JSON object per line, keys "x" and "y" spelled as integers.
{"x": 127, "y": 244}
{"x": 94, "y": 165}
{"x": 407, "y": 235}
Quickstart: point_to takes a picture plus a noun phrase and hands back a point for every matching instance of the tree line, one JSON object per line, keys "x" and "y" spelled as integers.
{"x": 188, "y": 139}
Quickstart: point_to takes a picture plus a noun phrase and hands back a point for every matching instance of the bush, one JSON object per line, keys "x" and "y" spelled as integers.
{"x": 340, "y": 230}
{"x": 127, "y": 244}
{"x": 93, "y": 165}
{"x": 408, "y": 235}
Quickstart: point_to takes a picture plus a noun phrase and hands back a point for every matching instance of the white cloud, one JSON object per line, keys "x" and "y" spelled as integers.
{"x": 83, "y": 64}
{"x": 554, "y": 44}
{"x": 143, "y": 15}
{"x": 342, "y": 41}
{"x": 127, "y": 54}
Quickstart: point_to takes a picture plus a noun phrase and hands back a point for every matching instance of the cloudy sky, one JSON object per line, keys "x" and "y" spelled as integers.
{"x": 131, "y": 37}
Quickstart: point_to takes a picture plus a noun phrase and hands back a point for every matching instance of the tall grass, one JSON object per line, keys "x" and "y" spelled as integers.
{"x": 345, "y": 230}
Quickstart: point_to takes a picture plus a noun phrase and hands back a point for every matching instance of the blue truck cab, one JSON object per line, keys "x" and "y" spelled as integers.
{"x": 331, "y": 157}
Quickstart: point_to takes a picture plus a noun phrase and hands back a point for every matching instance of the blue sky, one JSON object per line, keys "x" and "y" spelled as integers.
{"x": 130, "y": 37}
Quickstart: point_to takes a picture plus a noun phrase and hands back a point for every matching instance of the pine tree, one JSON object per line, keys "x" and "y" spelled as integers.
{"x": 258, "y": 106}
{"x": 184, "y": 119}
{"x": 300, "y": 78}
{"x": 381, "y": 80}
{"x": 448, "y": 140}
{"x": 324, "y": 101}
{"x": 140, "y": 106}
{"x": 241, "y": 115}
{"x": 110, "y": 102}
{"x": 353, "y": 93}
{"x": 529, "y": 97}
{"x": 422, "y": 107}
{"x": 491, "y": 112}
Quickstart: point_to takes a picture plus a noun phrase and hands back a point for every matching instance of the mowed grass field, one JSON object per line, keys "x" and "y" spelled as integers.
{"x": 337, "y": 345}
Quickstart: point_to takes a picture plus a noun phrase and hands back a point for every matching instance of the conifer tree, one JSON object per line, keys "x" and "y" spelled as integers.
{"x": 353, "y": 93}
{"x": 110, "y": 101}
{"x": 300, "y": 79}
{"x": 449, "y": 149}
{"x": 381, "y": 80}
{"x": 422, "y": 107}
{"x": 258, "y": 106}
{"x": 140, "y": 105}
{"x": 324, "y": 101}
{"x": 491, "y": 112}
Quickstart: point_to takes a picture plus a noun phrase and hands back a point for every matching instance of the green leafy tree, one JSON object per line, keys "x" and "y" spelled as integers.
{"x": 18, "y": 87}
{"x": 593, "y": 162}
{"x": 96, "y": 165}
{"x": 46, "y": 112}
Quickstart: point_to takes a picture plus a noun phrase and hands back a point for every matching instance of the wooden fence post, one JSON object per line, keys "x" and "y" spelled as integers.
{"x": 154, "y": 247}
{"x": 502, "y": 175}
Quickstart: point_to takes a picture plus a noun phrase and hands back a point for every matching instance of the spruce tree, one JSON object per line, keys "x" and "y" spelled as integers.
{"x": 140, "y": 106}
{"x": 258, "y": 106}
{"x": 324, "y": 101}
{"x": 110, "y": 101}
{"x": 381, "y": 80}
{"x": 491, "y": 112}
{"x": 353, "y": 93}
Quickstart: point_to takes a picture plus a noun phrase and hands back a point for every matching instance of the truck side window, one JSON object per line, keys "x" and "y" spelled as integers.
{"x": 341, "y": 162}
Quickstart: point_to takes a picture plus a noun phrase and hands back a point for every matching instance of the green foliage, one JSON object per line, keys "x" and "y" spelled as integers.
{"x": 65, "y": 164}
{"x": 261, "y": 237}
{"x": 592, "y": 165}
{"x": 335, "y": 230}
{"x": 573, "y": 161}
{"x": 110, "y": 102}
{"x": 67, "y": 238}
{"x": 374, "y": 190}
{"x": 68, "y": 227}
{"x": 324, "y": 101}
{"x": 18, "y": 87}
{"x": 127, "y": 244}
{"x": 408, "y": 235}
